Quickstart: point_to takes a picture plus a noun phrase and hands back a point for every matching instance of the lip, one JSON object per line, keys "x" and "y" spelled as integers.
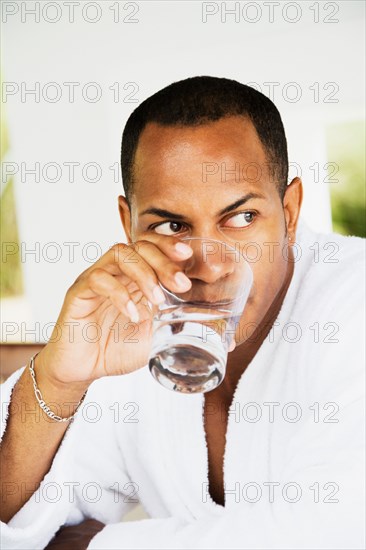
{"x": 210, "y": 302}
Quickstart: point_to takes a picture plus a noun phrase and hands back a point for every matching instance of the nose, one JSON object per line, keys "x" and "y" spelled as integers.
{"x": 210, "y": 262}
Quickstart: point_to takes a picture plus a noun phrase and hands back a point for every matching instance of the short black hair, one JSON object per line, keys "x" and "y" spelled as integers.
{"x": 202, "y": 99}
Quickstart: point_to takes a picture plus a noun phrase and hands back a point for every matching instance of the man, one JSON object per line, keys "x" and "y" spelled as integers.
{"x": 273, "y": 457}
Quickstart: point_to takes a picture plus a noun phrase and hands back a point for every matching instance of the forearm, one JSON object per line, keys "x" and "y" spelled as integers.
{"x": 32, "y": 439}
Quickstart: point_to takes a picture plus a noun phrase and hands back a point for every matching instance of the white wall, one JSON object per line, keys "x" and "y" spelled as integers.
{"x": 169, "y": 42}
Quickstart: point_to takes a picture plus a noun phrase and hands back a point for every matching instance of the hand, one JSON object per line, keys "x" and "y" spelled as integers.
{"x": 76, "y": 537}
{"x": 105, "y": 324}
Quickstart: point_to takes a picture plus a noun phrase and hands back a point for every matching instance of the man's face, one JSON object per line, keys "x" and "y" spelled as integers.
{"x": 197, "y": 172}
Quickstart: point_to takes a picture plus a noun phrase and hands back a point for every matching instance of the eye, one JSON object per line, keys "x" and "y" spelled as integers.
{"x": 168, "y": 228}
{"x": 243, "y": 219}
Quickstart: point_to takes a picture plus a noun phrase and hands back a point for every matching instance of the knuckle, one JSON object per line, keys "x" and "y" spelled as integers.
{"x": 73, "y": 287}
{"x": 95, "y": 275}
{"x": 172, "y": 269}
{"x": 119, "y": 293}
{"x": 118, "y": 248}
{"x": 80, "y": 277}
{"x": 70, "y": 292}
{"x": 145, "y": 277}
{"x": 142, "y": 243}
{"x": 124, "y": 253}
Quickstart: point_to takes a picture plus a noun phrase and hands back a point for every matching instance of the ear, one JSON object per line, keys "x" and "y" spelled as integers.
{"x": 125, "y": 215}
{"x": 291, "y": 205}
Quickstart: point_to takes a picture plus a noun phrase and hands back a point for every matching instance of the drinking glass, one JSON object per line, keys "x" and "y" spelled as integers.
{"x": 192, "y": 330}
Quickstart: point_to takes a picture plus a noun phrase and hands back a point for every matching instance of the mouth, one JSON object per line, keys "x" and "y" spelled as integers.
{"x": 210, "y": 302}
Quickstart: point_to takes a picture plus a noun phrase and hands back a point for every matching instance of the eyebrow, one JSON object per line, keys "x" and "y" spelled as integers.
{"x": 162, "y": 213}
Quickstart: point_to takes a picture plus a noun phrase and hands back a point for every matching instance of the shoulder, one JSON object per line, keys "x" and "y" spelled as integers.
{"x": 330, "y": 302}
{"x": 333, "y": 272}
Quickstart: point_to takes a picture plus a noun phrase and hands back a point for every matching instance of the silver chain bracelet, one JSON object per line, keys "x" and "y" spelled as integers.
{"x": 45, "y": 408}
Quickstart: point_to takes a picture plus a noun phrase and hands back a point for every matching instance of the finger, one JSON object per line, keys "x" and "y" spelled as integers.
{"x": 101, "y": 283}
{"x": 125, "y": 259}
{"x": 169, "y": 245}
{"x": 131, "y": 269}
{"x": 169, "y": 272}
{"x": 146, "y": 265}
{"x": 172, "y": 246}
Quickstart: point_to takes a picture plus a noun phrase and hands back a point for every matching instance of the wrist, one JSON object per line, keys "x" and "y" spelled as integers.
{"x": 64, "y": 395}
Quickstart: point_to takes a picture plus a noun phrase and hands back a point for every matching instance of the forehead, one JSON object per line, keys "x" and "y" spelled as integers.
{"x": 171, "y": 159}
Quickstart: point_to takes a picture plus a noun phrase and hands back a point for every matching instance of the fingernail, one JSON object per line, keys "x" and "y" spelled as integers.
{"x": 132, "y": 311}
{"x": 183, "y": 249}
{"x": 182, "y": 280}
{"x": 158, "y": 294}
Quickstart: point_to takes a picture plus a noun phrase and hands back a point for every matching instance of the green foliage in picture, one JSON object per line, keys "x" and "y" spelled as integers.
{"x": 346, "y": 147}
{"x": 11, "y": 282}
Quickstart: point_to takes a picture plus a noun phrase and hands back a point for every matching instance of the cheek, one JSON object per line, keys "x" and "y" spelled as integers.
{"x": 138, "y": 230}
{"x": 269, "y": 271}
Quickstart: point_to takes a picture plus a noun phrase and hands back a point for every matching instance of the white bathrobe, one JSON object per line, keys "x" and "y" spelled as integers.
{"x": 294, "y": 457}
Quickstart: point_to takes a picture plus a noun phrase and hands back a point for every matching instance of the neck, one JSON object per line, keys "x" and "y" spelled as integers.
{"x": 239, "y": 359}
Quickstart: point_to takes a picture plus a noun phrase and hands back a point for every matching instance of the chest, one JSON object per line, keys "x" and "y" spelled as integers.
{"x": 215, "y": 422}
